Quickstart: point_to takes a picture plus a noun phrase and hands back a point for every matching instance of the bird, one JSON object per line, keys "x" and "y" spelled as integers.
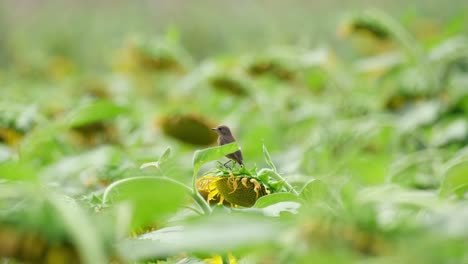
{"x": 225, "y": 137}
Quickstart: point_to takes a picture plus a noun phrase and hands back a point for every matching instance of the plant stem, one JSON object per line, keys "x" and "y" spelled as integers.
{"x": 278, "y": 177}
{"x": 201, "y": 202}
{"x": 194, "y": 210}
{"x": 196, "y": 195}
{"x": 225, "y": 259}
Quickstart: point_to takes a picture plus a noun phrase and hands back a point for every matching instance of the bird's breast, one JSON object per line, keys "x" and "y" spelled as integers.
{"x": 225, "y": 140}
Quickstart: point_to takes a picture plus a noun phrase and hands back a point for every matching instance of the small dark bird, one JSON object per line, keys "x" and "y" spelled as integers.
{"x": 226, "y": 137}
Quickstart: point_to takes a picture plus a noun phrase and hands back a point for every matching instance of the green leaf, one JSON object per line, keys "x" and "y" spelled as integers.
{"x": 244, "y": 171}
{"x": 151, "y": 198}
{"x": 209, "y": 154}
{"x": 264, "y": 176}
{"x": 82, "y": 230}
{"x": 204, "y": 235}
{"x": 13, "y": 170}
{"x": 276, "y": 204}
{"x": 368, "y": 168}
{"x": 274, "y": 198}
{"x": 267, "y": 156}
{"x": 94, "y": 112}
{"x": 455, "y": 180}
{"x": 72, "y": 166}
{"x": 41, "y": 143}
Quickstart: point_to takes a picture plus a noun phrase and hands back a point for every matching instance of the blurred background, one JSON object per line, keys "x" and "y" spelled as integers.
{"x": 360, "y": 105}
{"x": 90, "y": 30}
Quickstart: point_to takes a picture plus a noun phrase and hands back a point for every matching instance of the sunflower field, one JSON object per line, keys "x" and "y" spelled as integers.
{"x": 352, "y": 121}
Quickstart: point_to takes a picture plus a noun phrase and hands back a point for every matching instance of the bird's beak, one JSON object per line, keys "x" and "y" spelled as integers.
{"x": 214, "y": 129}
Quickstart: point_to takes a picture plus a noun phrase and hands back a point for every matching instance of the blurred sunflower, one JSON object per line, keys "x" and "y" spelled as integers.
{"x": 152, "y": 55}
{"x": 188, "y": 128}
{"x": 218, "y": 260}
{"x": 15, "y": 122}
{"x": 370, "y": 31}
{"x": 10, "y": 136}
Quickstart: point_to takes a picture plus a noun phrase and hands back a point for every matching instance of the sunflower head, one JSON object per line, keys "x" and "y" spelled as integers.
{"x": 188, "y": 128}
{"x": 232, "y": 188}
{"x": 229, "y": 83}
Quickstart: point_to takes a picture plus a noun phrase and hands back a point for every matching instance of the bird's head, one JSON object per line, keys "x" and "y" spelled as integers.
{"x": 222, "y": 130}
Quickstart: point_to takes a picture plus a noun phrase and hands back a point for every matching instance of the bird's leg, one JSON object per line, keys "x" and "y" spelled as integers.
{"x": 225, "y": 164}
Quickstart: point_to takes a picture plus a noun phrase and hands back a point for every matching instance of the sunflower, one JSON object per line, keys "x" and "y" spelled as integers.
{"x": 188, "y": 128}
{"x": 232, "y": 188}
{"x": 218, "y": 260}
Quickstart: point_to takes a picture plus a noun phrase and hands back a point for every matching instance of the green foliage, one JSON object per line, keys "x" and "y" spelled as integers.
{"x": 81, "y": 229}
{"x": 455, "y": 180}
{"x": 12, "y": 170}
{"x": 94, "y": 112}
{"x": 268, "y": 158}
{"x": 203, "y": 236}
{"x": 352, "y": 154}
{"x": 314, "y": 190}
{"x": 144, "y": 194}
{"x": 210, "y": 154}
{"x": 274, "y": 198}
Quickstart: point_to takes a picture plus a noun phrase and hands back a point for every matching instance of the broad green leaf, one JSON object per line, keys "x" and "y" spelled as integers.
{"x": 41, "y": 144}
{"x": 274, "y": 198}
{"x": 72, "y": 166}
{"x": 205, "y": 235}
{"x": 151, "y": 198}
{"x": 12, "y": 170}
{"x": 93, "y": 112}
{"x": 209, "y": 154}
{"x": 369, "y": 169}
{"x": 456, "y": 180}
{"x": 81, "y": 228}
{"x": 267, "y": 156}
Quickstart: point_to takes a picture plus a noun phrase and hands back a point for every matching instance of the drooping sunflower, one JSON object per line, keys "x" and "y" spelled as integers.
{"x": 232, "y": 188}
